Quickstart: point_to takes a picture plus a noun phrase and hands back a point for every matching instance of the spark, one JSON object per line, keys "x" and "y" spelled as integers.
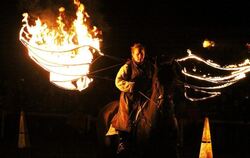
{"x": 229, "y": 75}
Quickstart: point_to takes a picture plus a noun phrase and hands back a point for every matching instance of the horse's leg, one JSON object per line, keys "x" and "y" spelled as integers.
{"x": 106, "y": 144}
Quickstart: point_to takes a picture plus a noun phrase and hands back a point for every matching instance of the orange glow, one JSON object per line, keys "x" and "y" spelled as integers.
{"x": 208, "y": 44}
{"x": 206, "y": 144}
{"x": 65, "y": 52}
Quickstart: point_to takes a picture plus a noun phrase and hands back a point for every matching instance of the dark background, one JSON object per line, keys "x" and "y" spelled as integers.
{"x": 61, "y": 123}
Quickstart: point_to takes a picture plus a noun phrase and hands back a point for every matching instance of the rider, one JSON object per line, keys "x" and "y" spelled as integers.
{"x": 134, "y": 81}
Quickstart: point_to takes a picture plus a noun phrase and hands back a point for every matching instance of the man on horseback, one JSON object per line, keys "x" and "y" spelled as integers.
{"x": 134, "y": 81}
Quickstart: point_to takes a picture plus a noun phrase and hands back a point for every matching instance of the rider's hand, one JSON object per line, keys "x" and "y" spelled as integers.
{"x": 136, "y": 87}
{"x": 140, "y": 84}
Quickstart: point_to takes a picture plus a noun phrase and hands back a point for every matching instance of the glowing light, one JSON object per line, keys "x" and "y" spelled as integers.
{"x": 208, "y": 44}
{"x": 228, "y": 75}
{"x": 65, "y": 52}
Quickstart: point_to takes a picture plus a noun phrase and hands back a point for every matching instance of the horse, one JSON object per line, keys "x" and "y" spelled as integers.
{"x": 156, "y": 130}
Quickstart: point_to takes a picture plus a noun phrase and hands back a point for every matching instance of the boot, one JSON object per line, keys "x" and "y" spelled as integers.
{"x": 123, "y": 142}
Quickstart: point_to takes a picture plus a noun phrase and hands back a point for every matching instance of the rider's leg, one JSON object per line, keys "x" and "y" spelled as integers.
{"x": 123, "y": 141}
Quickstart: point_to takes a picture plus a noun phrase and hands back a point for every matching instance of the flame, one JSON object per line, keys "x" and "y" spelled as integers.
{"x": 208, "y": 44}
{"x": 231, "y": 75}
{"x": 65, "y": 52}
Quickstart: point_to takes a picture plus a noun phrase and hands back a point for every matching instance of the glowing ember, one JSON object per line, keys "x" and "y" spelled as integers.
{"x": 228, "y": 75}
{"x": 66, "y": 52}
{"x": 208, "y": 44}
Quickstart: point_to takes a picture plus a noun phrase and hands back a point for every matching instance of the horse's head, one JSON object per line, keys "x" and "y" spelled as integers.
{"x": 162, "y": 84}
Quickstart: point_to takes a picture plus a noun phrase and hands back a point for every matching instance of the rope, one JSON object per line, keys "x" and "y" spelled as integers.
{"x": 114, "y": 58}
{"x": 99, "y": 77}
{"x": 147, "y": 97}
{"x": 105, "y": 68}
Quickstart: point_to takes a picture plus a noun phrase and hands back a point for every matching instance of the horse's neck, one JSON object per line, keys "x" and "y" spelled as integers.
{"x": 151, "y": 110}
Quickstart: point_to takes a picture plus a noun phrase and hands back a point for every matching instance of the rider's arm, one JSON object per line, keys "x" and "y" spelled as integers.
{"x": 121, "y": 80}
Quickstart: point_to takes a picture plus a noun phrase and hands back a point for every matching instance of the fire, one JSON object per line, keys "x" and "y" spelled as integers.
{"x": 65, "y": 52}
{"x": 208, "y": 44}
{"x": 212, "y": 83}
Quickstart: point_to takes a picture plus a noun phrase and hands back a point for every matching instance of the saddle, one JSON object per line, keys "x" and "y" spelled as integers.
{"x": 113, "y": 131}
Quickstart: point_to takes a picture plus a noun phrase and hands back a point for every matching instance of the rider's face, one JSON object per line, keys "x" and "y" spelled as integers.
{"x": 138, "y": 55}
